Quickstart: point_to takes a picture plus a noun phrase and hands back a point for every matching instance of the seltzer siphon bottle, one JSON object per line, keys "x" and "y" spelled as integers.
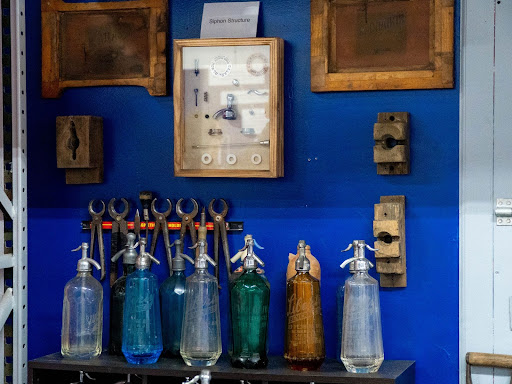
{"x": 200, "y": 331}
{"x": 118, "y": 294}
{"x": 250, "y": 297}
{"x": 304, "y": 342}
{"x": 82, "y": 312}
{"x": 142, "y": 331}
{"x": 172, "y": 300}
{"x": 361, "y": 340}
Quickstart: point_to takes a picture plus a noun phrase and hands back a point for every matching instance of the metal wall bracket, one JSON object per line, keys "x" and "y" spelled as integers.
{"x": 503, "y": 212}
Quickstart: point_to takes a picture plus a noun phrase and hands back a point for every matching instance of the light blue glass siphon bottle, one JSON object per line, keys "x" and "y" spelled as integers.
{"x": 172, "y": 300}
{"x": 142, "y": 331}
{"x": 200, "y": 332}
{"x": 361, "y": 341}
{"x": 82, "y": 312}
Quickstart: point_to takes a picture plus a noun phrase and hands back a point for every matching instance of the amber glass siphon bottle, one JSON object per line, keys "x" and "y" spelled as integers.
{"x": 304, "y": 348}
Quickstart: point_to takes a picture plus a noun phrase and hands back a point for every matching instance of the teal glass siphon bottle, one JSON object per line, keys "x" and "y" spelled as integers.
{"x": 200, "y": 332}
{"x": 172, "y": 300}
{"x": 142, "y": 331}
{"x": 250, "y": 297}
{"x": 118, "y": 293}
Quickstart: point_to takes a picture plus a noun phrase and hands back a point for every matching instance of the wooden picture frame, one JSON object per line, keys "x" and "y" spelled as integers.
{"x": 228, "y": 107}
{"x": 104, "y": 43}
{"x": 359, "y": 45}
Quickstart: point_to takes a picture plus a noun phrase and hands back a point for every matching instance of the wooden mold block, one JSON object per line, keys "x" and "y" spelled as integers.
{"x": 391, "y": 150}
{"x": 389, "y": 229}
{"x": 104, "y": 43}
{"x": 79, "y": 142}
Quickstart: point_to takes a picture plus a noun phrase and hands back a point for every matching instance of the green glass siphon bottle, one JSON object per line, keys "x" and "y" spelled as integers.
{"x": 250, "y": 297}
{"x": 304, "y": 340}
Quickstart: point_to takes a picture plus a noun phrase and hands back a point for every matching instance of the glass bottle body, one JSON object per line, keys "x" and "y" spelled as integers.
{"x": 82, "y": 317}
{"x": 340, "y": 298}
{"x": 142, "y": 332}
{"x": 361, "y": 344}
{"x": 172, "y": 300}
{"x": 250, "y": 297}
{"x": 304, "y": 337}
{"x": 200, "y": 333}
{"x": 117, "y": 296}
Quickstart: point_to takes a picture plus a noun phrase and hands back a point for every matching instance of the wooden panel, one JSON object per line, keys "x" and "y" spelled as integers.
{"x": 107, "y": 43}
{"x": 378, "y": 48}
{"x": 392, "y": 146}
{"x": 389, "y": 229}
{"x": 79, "y": 143}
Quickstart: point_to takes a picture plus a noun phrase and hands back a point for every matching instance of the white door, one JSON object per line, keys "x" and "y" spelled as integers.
{"x": 486, "y": 176}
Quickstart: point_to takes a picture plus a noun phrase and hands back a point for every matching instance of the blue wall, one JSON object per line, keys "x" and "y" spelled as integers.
{"x": 326, "y": 197}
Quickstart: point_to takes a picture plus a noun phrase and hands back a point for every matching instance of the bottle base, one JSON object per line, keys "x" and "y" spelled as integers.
{"x": 200, "y": 362}
{"x": 171, "y": 354}
{"x": 80, "y": 354}
{"x": 255, "y": 362}
{"x": 362, "y": 365}
{"x": 143, "y": 358}
{"x": 304, "y": 364}
{"x": 115, "y": 351}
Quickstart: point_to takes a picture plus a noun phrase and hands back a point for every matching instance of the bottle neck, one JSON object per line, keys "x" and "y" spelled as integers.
{"x": 128, "y": 268}
{"x": 178, "y": 273}
{"x": 83, "y": 273}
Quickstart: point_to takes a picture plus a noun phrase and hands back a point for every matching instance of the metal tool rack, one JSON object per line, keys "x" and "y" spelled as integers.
{"x": 13, "y": 197}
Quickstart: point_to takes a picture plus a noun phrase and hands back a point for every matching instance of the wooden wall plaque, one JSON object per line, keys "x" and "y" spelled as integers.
{"x": 361, "y": 45}
{"x": 107, "y": 43}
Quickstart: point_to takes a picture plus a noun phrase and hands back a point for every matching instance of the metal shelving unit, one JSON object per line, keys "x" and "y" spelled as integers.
{"x": 13, "y": 197}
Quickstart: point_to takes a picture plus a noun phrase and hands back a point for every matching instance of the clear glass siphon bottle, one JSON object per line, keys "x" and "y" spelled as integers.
{"x": 304, "y": 348}
{"x": 361, "y": 344}
{"x": 200, "y": 332}
{"x": 82, "y": 312}
{"x": 340, "y": 299}
{"x": 172, "y": 300}
{"x": 118, "y": 294}
{"x": 250, "y": 297}
{"x": 142, "y": 331}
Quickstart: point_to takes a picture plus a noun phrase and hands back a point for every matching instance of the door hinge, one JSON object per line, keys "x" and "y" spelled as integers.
{"x": 503, "y": 212}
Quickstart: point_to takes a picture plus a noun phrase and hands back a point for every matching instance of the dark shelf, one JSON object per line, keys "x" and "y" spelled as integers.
{"x": 391, "y": 371}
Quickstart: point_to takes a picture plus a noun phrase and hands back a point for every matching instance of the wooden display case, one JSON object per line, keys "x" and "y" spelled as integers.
{"x": 228, "y": 107}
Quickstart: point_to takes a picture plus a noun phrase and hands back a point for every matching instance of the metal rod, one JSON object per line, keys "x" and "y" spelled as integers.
{"x": 173, "y": 226}
{"x": 263, "y": 142}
